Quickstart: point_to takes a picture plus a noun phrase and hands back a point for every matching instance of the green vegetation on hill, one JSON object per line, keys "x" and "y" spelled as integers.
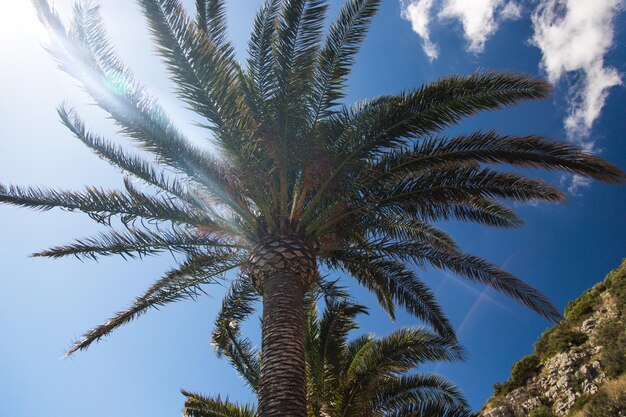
{"x": 609, "y": 401}
{"x": 522, "y": 371}
{"x": 565, "y": 335}
{"x": 613, "y": 337}
{"x": 558, "y": 339}
{"x": 542, "y": 411}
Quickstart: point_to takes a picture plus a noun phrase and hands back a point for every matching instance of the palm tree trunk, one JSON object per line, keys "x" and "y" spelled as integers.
{"x": 282, "y": 389}
{"x": 282, "y": 269}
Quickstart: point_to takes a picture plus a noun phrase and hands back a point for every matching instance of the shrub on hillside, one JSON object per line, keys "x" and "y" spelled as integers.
{"x": 613, "y": 337}
{"x": 558, "y": 339}
{"x": 579, "y": 404}
{"x": 521, "y": 372}
{"x": 604, "y": 405}
{"x": 616, "y": 283}
{"x": 498, "y": 388}
{"x": 582, "y": 307}
{"x": 542, "y": 411}
{"x": 524, "y": 369}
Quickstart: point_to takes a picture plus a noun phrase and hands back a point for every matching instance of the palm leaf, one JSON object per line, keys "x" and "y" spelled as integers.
{"x": 237, "y": 305}
{"x": 181, "y": 283}
{"x": 261, "y": 60}
{"x": 102, "y": 204}
{"x": 86, "y": 54}
{"x": 370, "y": 128}
{"x": 398, "y": 352}
{"x": 211, "y": 19}
{"x": 419, "y": 391}
{"x": 205, "y": 75}
{"x": 466, "y": 266}
{"x": 138, "y": 243}
{"x": 128, "y": 163}
{"x": 201, "y": 406}
{"x": 337, "y": 56}
{"x": 394, "y": 281}
{"x": 490, "y": 147}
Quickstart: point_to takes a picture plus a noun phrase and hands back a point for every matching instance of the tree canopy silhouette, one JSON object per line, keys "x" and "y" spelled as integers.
{"x": 301, "y": 181}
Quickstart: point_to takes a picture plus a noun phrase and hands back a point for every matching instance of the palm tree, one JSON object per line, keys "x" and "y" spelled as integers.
{"x": 366, "y": 376}
{"x": 301, "y": 181}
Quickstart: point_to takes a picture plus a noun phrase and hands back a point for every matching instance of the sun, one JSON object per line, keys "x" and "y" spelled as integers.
{"x": 18, "y": 23}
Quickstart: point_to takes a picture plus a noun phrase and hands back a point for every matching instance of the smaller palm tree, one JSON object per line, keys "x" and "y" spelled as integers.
{"x": 366, "y": 376}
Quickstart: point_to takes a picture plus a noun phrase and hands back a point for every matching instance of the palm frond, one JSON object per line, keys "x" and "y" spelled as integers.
{"x": 336, "y": 322}
{"x": 130, "y": 164}
{"x": 299, "y": 28}
{"x": 381, "y": 359}
{"x": 398, "y": 283}
{"x": 461, "y": 182}
{"x": 418, "y": 391}
{"x": 101, "y": 205}
{"x": 237, "y": 305}
{"x": 138, "y": 243}
{"x": 261, "y": 60}
{"x": 200, "y": 406}
{"x": 210, "y": 80}
{"x": 329, "y": 290}
{"x": 479, "y": 270}
{"x": 467, "y": 266}
{"x": 205, "y": 74}
{"x": 372, "y": 127}
{"x": 402, "y": 350}
{"x": 86, "y": 54}
{"x": 489, "y": 147}
{"x": 444, "y": 186}
{"x": 398, "y": 227}
{"x": 432, "y": 410}
{"x": 211, "y": 19}
{"x": 337, "y": 55}
{"x": 390, "y": 120}
{"x": 178, "y": 284}
{"x": 478, "y": 210}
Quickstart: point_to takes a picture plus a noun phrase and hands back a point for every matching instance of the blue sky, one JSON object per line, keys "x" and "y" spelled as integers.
{"x": 562, "y": 249}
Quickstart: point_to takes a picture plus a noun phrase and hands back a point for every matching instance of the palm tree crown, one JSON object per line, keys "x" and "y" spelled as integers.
{"x": 301, "y": 182}
{"x": 365, "y": 376}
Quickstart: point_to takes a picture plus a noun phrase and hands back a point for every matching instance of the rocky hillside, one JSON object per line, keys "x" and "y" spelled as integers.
{"x": 578, "y": 367}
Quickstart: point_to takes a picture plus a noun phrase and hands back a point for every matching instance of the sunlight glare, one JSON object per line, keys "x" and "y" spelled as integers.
{"x": 19, "y": 23}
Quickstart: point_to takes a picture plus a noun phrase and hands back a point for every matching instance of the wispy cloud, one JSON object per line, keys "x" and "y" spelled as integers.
{"x": 480, "y": 19}
{"x": 481, "y": 294}
{"x": 574, "y": 183}
{"x": 574, "y": 37}
{"x": 418, "y": 12}
{"x": 483, "y": 298}
{"x": 511, "y": 11}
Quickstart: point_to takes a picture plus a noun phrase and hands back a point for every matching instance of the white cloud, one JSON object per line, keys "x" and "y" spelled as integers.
{"x": 418, "y": 13}
{"x": 511, "y": 11}
{"x": 479, "y": 18}
{"x": 574, "y": 183}
{"x": 578, "y": 182}
{"x": 574, "y": 36}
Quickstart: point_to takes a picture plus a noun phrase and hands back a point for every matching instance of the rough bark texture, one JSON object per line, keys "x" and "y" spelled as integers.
{"x": 281, "y": 255}
{"x": 282, "y": 389}
{"x": 282, "y": 269}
